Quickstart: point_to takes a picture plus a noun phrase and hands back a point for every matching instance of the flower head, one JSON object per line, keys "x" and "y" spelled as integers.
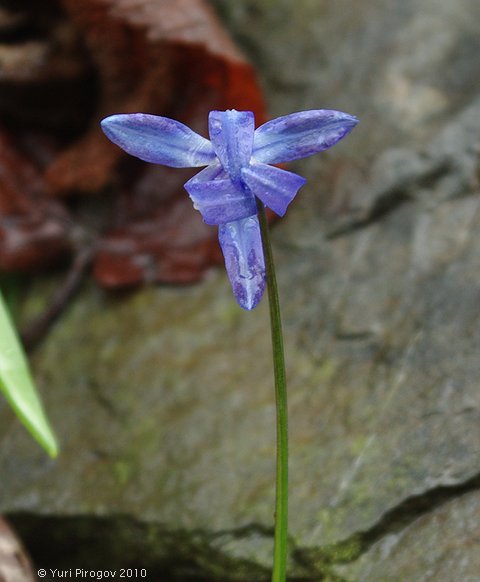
{"x": 237, "y": 172}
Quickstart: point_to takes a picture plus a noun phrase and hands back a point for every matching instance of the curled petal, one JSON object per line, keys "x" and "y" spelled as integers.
{"x": 159, "y": 140}
{"x": 300, "y": 135}
{"x": 276, "y": 188}
{"x": 241, "y": 244}
{"x": 231, "y": 133}
{"x": 216, "y": 197}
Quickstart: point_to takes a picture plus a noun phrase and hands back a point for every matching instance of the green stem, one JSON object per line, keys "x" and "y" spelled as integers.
{"x": 281, "y": 489}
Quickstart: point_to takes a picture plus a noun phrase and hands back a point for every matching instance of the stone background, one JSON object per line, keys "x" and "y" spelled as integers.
{"x": 163, "y": 399}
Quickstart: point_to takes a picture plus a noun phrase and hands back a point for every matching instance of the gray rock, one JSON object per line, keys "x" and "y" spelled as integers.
{"x": 441, "y": 545}
{"x": 164, "y": 399}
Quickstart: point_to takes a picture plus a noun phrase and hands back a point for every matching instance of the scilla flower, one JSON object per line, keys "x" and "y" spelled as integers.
{"x": 238, "y": 171}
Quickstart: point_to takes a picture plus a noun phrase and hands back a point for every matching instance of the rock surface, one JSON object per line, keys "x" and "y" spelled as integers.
{"x": 164, "y": 399}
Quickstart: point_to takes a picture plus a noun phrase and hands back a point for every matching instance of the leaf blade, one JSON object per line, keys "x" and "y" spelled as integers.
{"x": 18, "y": 387}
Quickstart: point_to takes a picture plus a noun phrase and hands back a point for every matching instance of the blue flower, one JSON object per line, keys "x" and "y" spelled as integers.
{"x": 237, "y": 159}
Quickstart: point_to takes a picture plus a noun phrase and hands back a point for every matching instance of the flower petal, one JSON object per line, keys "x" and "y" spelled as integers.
{"x": 216, "y": 197}
{"x": 231, "y": 133}
{"x": 159, "y": 140}
{"x": 241, "y": 244}
{"x": 300, "y": 135}
{"x": 276, "y": 188}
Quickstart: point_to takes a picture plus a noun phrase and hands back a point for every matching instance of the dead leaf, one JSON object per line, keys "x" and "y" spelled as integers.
{"x": 168, "y": 57}
{"x": 15, "y": 564}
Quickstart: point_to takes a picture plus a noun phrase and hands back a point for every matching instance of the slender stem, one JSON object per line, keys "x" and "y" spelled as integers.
{"x": 281, "y": 490}
{"x": 38, "y": 328}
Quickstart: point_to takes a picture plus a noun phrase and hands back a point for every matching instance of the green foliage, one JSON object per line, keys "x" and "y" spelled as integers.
{"x": 17, "y": 385}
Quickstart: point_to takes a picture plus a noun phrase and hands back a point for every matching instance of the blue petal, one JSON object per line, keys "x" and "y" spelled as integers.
{"x": 217, "y": 198}
{"x": 159, "y": 140}
{"x": 276, "y": 188}
{"x": 231, "y": 133}
{"x": 300, "y": 135}
{"x": 241, "y": 244}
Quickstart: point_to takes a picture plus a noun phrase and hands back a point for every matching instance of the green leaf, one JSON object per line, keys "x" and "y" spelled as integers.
{"x": 17, "y": 385}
